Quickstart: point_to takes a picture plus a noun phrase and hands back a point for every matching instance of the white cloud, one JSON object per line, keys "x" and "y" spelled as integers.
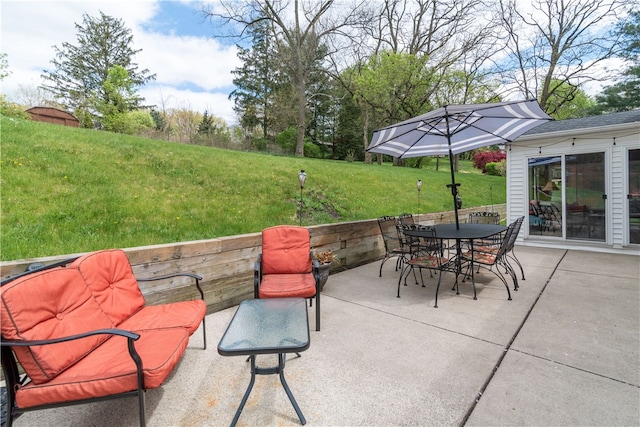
{"x": 190, "y": 71}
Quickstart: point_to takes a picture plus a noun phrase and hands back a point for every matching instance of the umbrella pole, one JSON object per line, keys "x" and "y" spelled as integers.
{"x": 454, "y": 185}
{"x": 454, "y": 193}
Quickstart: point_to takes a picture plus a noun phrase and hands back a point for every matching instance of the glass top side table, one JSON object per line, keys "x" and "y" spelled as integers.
{"x": 267, "y": 326}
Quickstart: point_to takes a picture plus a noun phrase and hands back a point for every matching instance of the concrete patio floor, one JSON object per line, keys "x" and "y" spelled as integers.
{"x": 564, "y": 351}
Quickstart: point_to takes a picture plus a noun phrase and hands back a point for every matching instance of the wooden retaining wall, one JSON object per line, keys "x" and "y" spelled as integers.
{"x": 227, "y": 263}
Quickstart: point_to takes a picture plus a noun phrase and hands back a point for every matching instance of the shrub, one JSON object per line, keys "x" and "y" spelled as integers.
{"x": 11, "y": 109}
{"x": 287, "y": 139}
{"x": 497, "y": 168}
{"x": 311, "y": 150}
{"x": 481, "y": 158}
{"x": 139, "y": 122}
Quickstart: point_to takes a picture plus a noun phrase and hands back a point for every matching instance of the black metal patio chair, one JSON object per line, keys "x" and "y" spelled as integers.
{"x": 393, "y": 247}
{"x": 431, "y": 256}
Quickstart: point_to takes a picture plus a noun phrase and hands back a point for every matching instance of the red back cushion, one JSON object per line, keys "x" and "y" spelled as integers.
{"x": 50, "y": 304}
{"x": 110, "y": 277}
{"x": 286, "y": 250}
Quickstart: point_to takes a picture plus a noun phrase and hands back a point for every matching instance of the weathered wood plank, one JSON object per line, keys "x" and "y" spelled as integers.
{"x": 226, "y": 263}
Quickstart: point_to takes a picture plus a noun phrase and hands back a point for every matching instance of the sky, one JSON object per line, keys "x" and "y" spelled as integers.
{"x": 193, "y": 70}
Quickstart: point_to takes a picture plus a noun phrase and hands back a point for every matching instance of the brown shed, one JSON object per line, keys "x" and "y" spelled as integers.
{"x": 53, "y": 115}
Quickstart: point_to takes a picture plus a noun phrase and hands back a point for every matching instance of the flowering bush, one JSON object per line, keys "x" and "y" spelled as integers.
{"x": 481, "y": 158}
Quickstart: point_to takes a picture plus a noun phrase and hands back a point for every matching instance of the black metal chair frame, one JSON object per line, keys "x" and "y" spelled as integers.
{"x": 499, "y": 259}
{"x": 392, "y": 244}
{"x": 484, "y": 217}
{"x": 429, "y": 250}
{"x": 511, "y": 252}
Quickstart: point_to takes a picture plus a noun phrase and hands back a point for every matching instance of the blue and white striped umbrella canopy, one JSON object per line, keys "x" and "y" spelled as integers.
{"x": 455, "y": 129}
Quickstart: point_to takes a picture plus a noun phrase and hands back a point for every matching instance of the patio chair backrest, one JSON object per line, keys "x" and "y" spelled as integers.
{"x": 484, "y": 217}
{"x": 428, "y": 241}
{"x": 286, "y": 250}
{"x": 517, "y": 224}
{"x": 406, "y": 219}
{"x": 389, "y": 233}
{"x": 509, "y": 238}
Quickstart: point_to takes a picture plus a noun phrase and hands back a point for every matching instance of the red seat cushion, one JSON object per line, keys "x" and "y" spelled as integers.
{"x": 109, "y": 275}
{"x": 51, "y": 304}
{"x": 481, "y": 257}
{"x": 287, "y": 286}
{"x": 187, "y": 314}
{"x": 109, "y": 370}
{"x": 429, "y": 261}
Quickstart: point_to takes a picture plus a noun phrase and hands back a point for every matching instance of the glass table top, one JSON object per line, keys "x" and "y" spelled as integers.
{"x": 266, "y": 326}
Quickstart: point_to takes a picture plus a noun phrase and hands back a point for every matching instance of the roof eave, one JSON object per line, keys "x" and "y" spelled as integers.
{"x": 574, "y": 132}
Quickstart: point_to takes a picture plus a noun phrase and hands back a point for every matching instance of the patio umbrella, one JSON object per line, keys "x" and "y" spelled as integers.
{"x": 454, "y": 129}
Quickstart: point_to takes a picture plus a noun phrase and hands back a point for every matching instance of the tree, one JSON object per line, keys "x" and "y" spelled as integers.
{"x": 298, "y": 30}
{"x": 4, "y": 66}
{"x": 206, "y": 126}
{"x": 553, "y": 43}
{"x": 625, "y": 94}
{"x": 572, "y": 102}
{"x": 257, "y": 82}
{"x": 117, "y": 98}
{"x": 81, "y": 70}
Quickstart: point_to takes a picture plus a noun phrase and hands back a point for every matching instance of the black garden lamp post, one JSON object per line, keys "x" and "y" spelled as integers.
{"x": 302, "y": 176}
{"x": 419, "y": 185}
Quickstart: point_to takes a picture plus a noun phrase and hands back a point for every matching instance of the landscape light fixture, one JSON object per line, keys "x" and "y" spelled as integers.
{"x": 302, "y": 176}
{"x": 419, "y": 185}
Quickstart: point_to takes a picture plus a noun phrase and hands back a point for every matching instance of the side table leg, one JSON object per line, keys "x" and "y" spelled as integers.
{"x": 246, "y": 393}
{"x": 281, "y": 361}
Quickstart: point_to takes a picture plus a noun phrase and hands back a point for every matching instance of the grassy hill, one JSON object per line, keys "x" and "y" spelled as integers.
{"x": 68, "y": 190}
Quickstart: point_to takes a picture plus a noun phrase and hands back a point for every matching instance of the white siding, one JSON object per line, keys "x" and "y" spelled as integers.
{"x": 517, "y": 192}
{"x": 614, "y": 142}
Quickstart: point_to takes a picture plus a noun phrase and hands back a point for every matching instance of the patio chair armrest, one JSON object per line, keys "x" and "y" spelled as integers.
{"x": 130, "y": 336}
{"x": 195, "y": 277}
{"x": 316, "y": 272}
{"x": 257, "y": 276}
{"x": 28, "y": 343}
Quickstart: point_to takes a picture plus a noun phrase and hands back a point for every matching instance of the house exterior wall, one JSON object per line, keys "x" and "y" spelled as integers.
{"x": 614, "y": 141}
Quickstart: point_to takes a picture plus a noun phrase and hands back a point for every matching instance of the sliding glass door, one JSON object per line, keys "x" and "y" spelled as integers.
{"x": 567, "y": 196}
{"x": 585, "y": 196}
{"x": 634, "y": 196}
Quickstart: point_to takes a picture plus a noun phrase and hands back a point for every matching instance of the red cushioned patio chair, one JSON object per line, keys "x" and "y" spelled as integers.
{"x": 286, "y": 267}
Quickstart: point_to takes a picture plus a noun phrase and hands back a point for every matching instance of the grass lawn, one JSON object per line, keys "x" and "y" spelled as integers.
{"x": 69, "y": 190}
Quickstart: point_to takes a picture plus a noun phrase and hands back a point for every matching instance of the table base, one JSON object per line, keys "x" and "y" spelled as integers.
{"x": 256, "y": 370}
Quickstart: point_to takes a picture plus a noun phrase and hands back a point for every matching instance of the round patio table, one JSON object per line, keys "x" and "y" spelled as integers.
{"x": 464, "y": 231}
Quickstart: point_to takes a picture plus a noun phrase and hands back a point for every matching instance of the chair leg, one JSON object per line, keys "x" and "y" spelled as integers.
{"x": 409, "y": 268}
{"x": 143, "y": 421}
{"x": 317, "y": 311}
{"x": 386, "y": 257}
{"x": 438, "y": 287}
{"x": 513, "y": 256}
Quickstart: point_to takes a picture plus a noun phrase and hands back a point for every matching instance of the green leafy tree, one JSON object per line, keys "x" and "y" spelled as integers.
{"x": 80, "y": 71}
{"x": 159, "y": 121}
{"x": 117, "y": 98}
{"x": 4, "y": 66}
{"x": 625, "y": 94}
{"x": 298, "y": 28}
{"x": 257, "y": 82}
{"x": 348, "y": 144}
{"x": 567, "y": 101}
